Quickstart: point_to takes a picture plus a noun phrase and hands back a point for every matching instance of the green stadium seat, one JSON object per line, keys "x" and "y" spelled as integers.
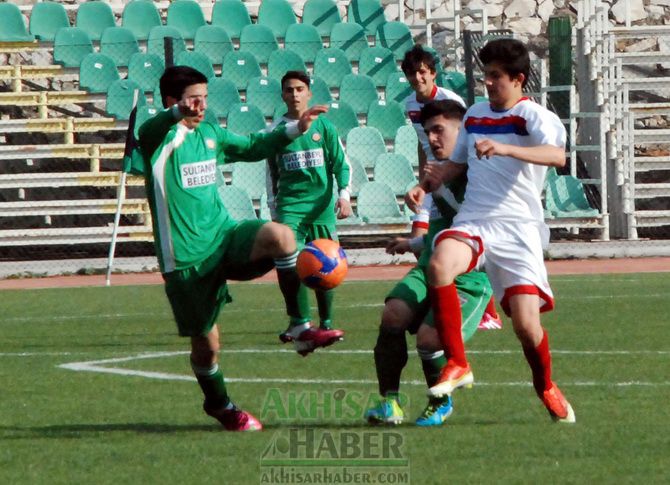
{"x": 71, "y": 44}
{"x": 378, "y": 63}
{"x": 303, "y": 39}
{"x": 140, "y": 16}
{"x": 45, "y": 20}
{"x": 259, "y": 40}
{"x": 387, "y": 117}
{"x": 322, "y": 14}
{"x": 156, "y": 44}
{"x": 280, "y": 111}
{"x": 376, "y": 204}
{"x": 367, "y": 13}
{"x": 97, "y": 72}
{"x": 284, "y": 60}
{"x": 214, "y": 42}
{"x": 358, "y": 90}
{"x": 143, "y": 114}
{"x": 365, "y": 144}
{"x": 350, "y": 38}
{"x": 222, "y": 94}
{"x": 396, "y": 37}
{"x": 120, "y": 44}
{"x": 265, "y": 93}
{"x": 264, "y": 210}
{"x": 395, "y": 171}
{"x": 245, "y": 118}
{"x": 120, "y": 96}
{"x": 157, "y": 100}
{"x": 565, "y": 197}
{"x": 343, "y": 117}
{"x": 454, "y": 81}
{"x": 146, "y": 70}
{"x": 358, "y": 176}
{"x": 185, "y": 16}
{"x": 232, "y": 15}
{"x": 397, "y": 87}
{"x": 239, "y": 67}
{"x": 196, "y": 60}
{"x": 320, "y": 91}
{"x": 250, "y": 177}
{"x": 331, "y": 65}
{"x": 406, "y": 143}
{"x": 237, "y": 203}
{"x": 12, "y": 26}
{"x": 278, "y": 15}
{"x": 94, "y": 17}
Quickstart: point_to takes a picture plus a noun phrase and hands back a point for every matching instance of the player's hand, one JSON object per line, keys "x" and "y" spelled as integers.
{"x": 433, "y": 176}
{"x": 414, "y": 198}
{"x": 488, "y": 148}
{"x": 190, "y": 107}
{"x": 310, "y": 115}
{"x": 343, "y": 208}
{"x": 398, "y": 245}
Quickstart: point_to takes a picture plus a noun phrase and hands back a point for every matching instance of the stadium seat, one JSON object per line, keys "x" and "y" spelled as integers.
{"x": 395, "y": 171}
{"x": 245, "y": 118}
{"x": 45, "y": 20}
{"x": 120, "y": 44}
{"x": 277, "y": 15}
{"x": 565, "y": 197}
{"x": 185, "y": 16}
{"x": 304, "y": 40}
{"x": 322, "y": 14}
{"x": 145, "y": 70}
{"x": 196, "y": 60}
{"x": 397, "y": 87}
{"x": 120, "y": 97}
{"x": 214, "y": 42}
{"x": 396, "y": 37}
{"x": 258, "y": 40}
{"x": 376, "y": 204}
{"x": 94, "y": 17}
{"x": 250, "y": 176}
{"x": 143, "y": 114}
{"x": 280, "y": 111}
{"x": 222, "y": 94}
{"x": 387, "y": 117}
{"x": 369, "y": 14}
{"x": 97, "y": 72}
{"x": 156, "y": 44}
{"x": 237, "y": 203}
{"x": 454, "y": 81}
{"x": 265, "y": 93}
{"x": 71, "y": 44}
{"x": 232, "y": 15}
{"x": 343, "y": 117}
{"x": 358, "y": 176}
{"x": 358, "y": 90}
{"x": 406, "y": 143}
{"x": 378, "y": 63}
{"x": 264, "y": 210}
{"x": 140, "y": 16}
{"x": 331, "y": 65}
{"x": 12, "y": 26}
{"x": 239, "y": 67}
{"x": 365, "y": 144}
{"x": 320, "y": 92}
{"x": 284, "y": 60}
{"x": 350, "y": 38}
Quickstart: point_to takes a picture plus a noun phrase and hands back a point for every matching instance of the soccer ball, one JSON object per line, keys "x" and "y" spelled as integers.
{"x": 322, "y": 264}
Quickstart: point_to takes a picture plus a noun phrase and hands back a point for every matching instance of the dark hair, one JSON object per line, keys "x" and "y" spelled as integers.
{"x": 511, "y": 54}
{"x": 176, "y": 79}
{"x": 450, "y": 109}
{"x": 299, "y": 75}
{"x": 416, "y": 56}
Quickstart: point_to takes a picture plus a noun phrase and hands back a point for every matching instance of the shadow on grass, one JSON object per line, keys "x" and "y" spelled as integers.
{"x": 91, "y": 430}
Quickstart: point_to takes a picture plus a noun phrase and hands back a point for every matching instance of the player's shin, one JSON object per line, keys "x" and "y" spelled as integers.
{"x": 432, "y": 363}
{"x": 390, "y": 359}
{"x": 324, "y": 301}
{"x": 213, "y": 386}
{"x": 539, "y": 360}
{"x": 295, "y": 297}
{"x": 448, "y": 321}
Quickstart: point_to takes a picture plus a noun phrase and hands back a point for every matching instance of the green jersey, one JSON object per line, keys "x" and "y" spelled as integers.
{"x": 302, "y": 174}
{"x": 189, "y": 219}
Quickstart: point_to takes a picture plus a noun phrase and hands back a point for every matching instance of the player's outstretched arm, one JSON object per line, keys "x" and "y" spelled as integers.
{"x": 309, "y": 116}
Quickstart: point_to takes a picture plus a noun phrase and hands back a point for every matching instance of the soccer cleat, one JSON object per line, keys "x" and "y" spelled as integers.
{"x": 235, "y": 419}
{"x": 435, "y": 413}
{"x": 451, "y": 378}
{"x": 313, "y": 338}
{"x": 490, "y": 322}
{"x": 326, "y": 326}
{"x": 388, "y": 411}
{"x": 286, "y": 337}
{"x": 559, "y": 408}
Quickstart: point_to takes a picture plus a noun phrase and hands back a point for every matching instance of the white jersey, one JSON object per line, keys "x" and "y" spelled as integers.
{"x": 504, "y": 187}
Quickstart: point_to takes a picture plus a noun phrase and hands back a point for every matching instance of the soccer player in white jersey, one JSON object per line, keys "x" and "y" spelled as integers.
{"x": 506, "y": 144}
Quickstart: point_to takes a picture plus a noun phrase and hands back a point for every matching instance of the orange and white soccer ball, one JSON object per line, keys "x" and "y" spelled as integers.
{"x": 322, "y": 264}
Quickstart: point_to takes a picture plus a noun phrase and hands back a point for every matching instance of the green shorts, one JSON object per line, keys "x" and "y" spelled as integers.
{"x": 306, "y": 232}
{"x": 197, "y": 294}
{"x": 473, "y": 288}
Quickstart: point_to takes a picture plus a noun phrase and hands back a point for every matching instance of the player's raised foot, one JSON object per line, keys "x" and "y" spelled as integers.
{"x": 451, "y": 378}
{"x": 387, "y": 411}
{"x": 235, "y": 419}
{"x": 490, "y": 322}
{"x": 313, "y": 338}
{"x": 436, "y": 412}
{"x": 559, "y": 408}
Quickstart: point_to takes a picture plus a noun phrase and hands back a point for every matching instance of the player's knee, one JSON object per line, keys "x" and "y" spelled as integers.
{"x": 440, "y": 271}
{"x": 278, "y": 239}
{"x": 427, "y": 340}
{"x": 395, "y": 315}
{"x": 204, "y": 357}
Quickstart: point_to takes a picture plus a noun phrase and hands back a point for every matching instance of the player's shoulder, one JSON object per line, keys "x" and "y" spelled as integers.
{"x": 410, "y": 100}
{"x": 530, "y": 110}
{"x": 449, "y": 95}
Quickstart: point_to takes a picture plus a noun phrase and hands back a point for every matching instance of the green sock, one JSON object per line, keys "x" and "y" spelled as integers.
{"x": 432, "y": 363}
{"x": 294, "y": 292}
{"x": 390, "y": 359}
{"x": 213, "y": 386}
{"x": 324, "y": 300}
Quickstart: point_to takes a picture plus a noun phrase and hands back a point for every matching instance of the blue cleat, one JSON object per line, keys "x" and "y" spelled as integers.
{"x": 388, "y": 411}
{"x": 435, "y": 413}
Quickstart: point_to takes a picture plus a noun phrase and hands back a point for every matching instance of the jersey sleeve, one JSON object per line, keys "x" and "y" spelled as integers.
{"x": 251, "y": 148}
{"x": 336, "y": 155}
{"x": 153, "y": 131}
{"x": 545, "y": 128}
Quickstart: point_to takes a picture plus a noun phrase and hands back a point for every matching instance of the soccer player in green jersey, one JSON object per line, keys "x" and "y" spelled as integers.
{"x": 199, "y": 246}
{"x": 407, "y": 307}
{"x": 301, "y": 179}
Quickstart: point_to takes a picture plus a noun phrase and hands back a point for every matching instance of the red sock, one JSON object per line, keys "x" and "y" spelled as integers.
{"x": 448, "y": 321}
{"x": 491, "y": 309}
{"x": 539, "y": 359}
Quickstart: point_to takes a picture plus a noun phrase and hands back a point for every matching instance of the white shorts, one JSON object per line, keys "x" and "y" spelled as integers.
{"x": 512, "y": 255}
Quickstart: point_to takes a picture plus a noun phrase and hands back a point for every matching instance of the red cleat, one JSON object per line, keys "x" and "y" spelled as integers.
{"x": 313, "y": 338}
{"x": 490, "y": 322}
{"x": 235, "y": 419}
{"x": 451, "y": 378}
{"x": 559, "y": 408}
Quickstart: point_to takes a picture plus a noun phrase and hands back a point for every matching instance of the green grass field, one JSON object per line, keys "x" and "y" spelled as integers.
{"x": 136, "y": 416}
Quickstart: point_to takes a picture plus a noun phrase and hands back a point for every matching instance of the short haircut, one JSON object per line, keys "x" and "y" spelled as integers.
{"x": 416, "y": 56}
{"x": 176, "y": 79}
{"x": 299, "y": 75}
{"x": 511, "y": 54}
{"x": 450, "y": 109}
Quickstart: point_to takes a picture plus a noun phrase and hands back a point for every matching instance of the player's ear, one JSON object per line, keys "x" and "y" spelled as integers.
{"x": 520, "y": 78}
{"x": 170, "y": 101}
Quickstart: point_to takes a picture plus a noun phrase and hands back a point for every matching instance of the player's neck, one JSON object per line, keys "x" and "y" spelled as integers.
{"x": 294, "y": 114}
{"x": 504, "y": 105}
{"x": 423, "y": 98}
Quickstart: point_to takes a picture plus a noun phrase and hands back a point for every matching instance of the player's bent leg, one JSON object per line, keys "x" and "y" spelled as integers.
{"x": 438, "y": 409}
